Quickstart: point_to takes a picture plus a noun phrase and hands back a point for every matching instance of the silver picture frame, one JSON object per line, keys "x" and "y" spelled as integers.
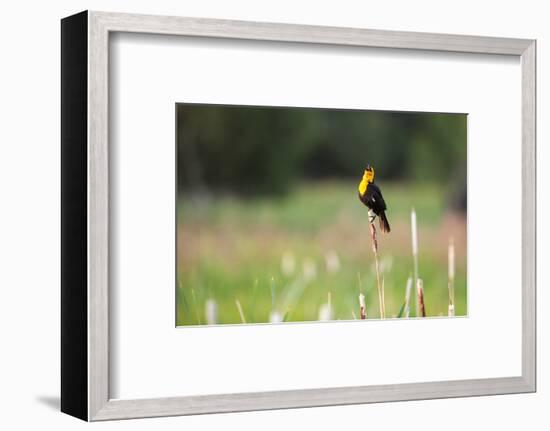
{"x": 85, "y": 215}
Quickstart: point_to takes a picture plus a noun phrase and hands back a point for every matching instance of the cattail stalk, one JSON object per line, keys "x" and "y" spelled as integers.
{"x": 362, "y": 307}
{"x": 383, "y": 297}
{"x": 415, "y": 254}
{"x": 420, "y": 294}
{"x": 451, "y": 278}
{"x": 238, "y": 304}
{"x": 407, "y": 311}
{"x": 377, "y": 265}
{"x": 196, "y": 306}
{"x": 274, "y": 315}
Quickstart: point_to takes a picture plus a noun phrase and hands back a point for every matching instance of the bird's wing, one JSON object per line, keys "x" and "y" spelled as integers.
{"x": 376, "y": 196}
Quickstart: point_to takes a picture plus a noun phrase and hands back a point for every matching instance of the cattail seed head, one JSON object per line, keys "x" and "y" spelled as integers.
{"x": 451, "y": 310}
{"x": 332, "y": 262}
{"x": 420, "y": 293}
{"x": 362, "y": 306}
{"x": 275, "y": 317}
{"x": 414, "y": 233}
{"x": 325, "y": 311}
{"x": 451, "y": 260}
{"x": 211, "y": 312}
{"x": 309, "y": 270}
{"x": 288, "y": 263}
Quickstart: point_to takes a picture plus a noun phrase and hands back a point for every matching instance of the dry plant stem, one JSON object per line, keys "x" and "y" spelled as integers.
{"x": 384, "y": 297}
{"x": 408, "y": 289}
{"x": 362, "y": 303}
{"x": 238, "y": 304}
{"x": 414, "y": 237}
{"x": 420, "y": 294}
{"x": 379, "y": 285}
{"x": 196, "y": 306}
{"x": 451, "y": 285}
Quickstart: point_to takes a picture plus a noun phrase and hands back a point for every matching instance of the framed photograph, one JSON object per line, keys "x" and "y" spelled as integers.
{"x": 280, "y": 228}
{"x": 264, "y": 216}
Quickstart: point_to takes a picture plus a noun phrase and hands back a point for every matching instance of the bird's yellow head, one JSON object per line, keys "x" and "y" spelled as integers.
{"x": 368, "y": 176}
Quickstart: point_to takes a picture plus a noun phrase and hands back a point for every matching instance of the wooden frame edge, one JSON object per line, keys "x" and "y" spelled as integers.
{"x": 323, "y": 397}
{"x": 100, "y": 406}
{"x": 74, "y": 301}
{"x": 529, "y": 213}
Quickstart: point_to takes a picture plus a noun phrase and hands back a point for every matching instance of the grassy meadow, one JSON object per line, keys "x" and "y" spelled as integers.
{"x": 307, "y": 255}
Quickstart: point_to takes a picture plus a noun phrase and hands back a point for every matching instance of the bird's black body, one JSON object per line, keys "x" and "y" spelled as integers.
{"x": 374, "y": 200}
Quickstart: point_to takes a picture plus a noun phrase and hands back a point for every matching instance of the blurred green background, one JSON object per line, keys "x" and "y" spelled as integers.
{"x": 270, "y": 226}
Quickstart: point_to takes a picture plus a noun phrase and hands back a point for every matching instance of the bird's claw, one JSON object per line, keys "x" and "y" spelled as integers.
{"x": 372, "y": 216}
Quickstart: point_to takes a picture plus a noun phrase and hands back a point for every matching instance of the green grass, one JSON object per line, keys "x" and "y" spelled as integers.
{"x": 232, "y": 249}
{"x": 311, "y": 206}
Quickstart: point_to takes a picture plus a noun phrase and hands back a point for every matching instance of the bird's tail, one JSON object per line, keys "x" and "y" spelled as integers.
{"x": 384, "y": 224}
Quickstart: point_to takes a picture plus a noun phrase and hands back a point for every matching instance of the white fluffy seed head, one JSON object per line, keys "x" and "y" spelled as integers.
{"x": 211, "y": 312}
{"x": 275, "y": 317}
{"x": 309, "y": 270}
{"x": 332, "y": 262}
{"x": 325, "y": 312}
{"x": 288, "y": 263}
{"x": 451, "y": 310}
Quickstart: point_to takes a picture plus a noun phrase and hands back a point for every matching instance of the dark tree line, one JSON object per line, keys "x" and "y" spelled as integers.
{"x": 259, "y": 150}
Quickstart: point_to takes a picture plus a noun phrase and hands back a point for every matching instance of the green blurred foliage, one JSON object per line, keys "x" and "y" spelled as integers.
{"x": 232, "y": 248}
{"x": 257, "y": 184}
{"x": 264, "y": 150}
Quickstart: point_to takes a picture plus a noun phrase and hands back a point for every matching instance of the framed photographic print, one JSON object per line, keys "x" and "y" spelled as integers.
{"x": 279, "y": 228}
{"x": 261, "y": 216}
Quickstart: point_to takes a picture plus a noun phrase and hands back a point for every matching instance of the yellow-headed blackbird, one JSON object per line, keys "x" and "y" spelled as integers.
{"x": 371, "y": 196}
